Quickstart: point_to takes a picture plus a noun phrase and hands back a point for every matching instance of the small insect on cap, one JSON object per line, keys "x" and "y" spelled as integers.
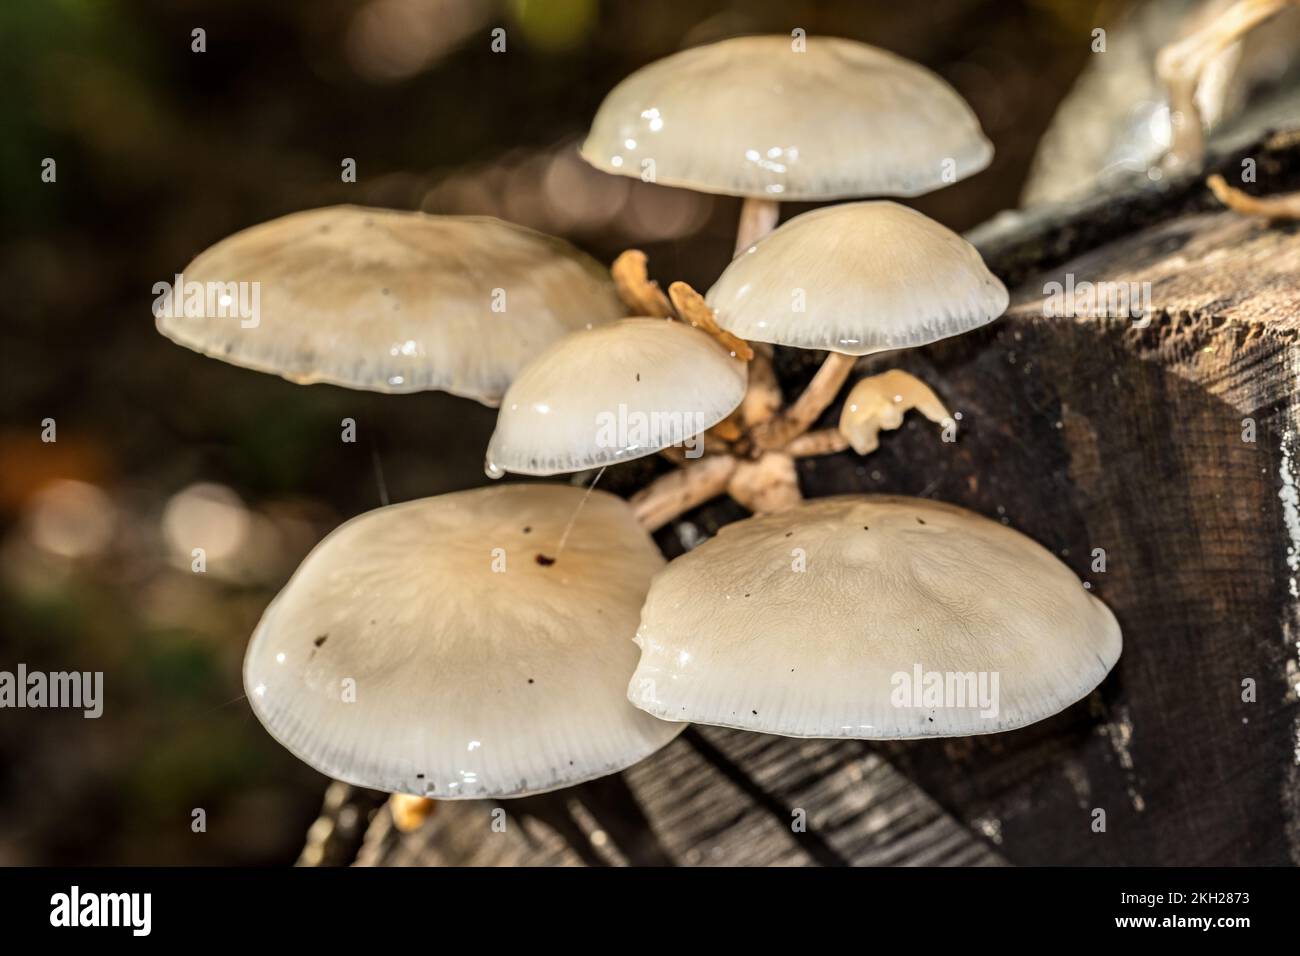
{"x": 391, "y": 301}
{"x": 449, "y": 647}
{"x": 869, "y": 617}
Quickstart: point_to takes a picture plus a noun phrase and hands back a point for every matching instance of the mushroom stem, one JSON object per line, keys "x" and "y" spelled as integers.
{"x": 639, "y": 292}
{"x": 332, "y": 838}
{"x": 677, "y": 492}
{"x": 726, "y": 432}
{"x": 674, "y": 454}
{"x": 1284, "y": 206}
{"x": 767, "y": 485}
{"x": 757, "y": 218}
{"x": 879, "y": 402}
{"x": 763, "y": 396}
{"x": 799, "y": 417}
{"x": 692, "y": 308}
{"x": 827, "y": 441}
{"x": 1180, "y": 65}
{"x": 409, "y": 812}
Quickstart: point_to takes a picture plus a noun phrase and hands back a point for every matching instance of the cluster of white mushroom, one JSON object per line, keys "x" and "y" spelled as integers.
{"x": 484, "y": 643}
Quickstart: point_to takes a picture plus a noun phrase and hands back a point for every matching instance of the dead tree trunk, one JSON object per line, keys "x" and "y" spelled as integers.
{"x": 1170, "y": 449}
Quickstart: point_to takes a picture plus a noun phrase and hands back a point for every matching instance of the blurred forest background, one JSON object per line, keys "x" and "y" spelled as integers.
{"x": 161, "y": 152}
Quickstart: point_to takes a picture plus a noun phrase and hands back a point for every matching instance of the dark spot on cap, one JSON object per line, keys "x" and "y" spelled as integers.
{"x": 530, "y": 680}
{"x": 544, "y": 560}
{"x": 919, "y": 521}
{"x": 321, "y": 640}
{"x": 865, "y": 528}
{"x": 528, "y": 529}
{"x": 754, "y": 712}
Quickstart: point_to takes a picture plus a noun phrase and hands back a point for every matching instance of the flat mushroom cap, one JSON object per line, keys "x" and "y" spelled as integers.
{"x": 752, "y": 117}
{"x": 478, "y": 672}
{"x": 733, "y": 633}
{"x": 857, "y": 278}
{"x": 391, "y": 301}
{"x": 614, "y": 393}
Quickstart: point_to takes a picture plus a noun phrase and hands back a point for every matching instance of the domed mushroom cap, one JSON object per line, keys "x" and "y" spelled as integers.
{"x": 442, "y": 647}
{"x": 830, "y": 620}
{"x": 614, "y": 393}
{"x": 857, "y": 278}
{"x": 393, "y": 301}
{"x": 752, "y": 117}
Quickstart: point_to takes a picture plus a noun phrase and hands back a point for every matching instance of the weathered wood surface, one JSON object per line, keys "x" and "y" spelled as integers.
{"x": 1131, "y": 440}
{"x": 1084, "y": 433}
{"x": 712, "y": 797}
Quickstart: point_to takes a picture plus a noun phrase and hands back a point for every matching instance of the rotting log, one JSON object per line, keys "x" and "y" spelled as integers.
{"x": 1085, "y": 433}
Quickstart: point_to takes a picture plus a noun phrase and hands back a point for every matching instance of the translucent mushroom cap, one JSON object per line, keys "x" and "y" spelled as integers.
{"x": 393, "y": 301}
{"x": 753, "y": 116}
{"x": 443, "y": 647}
{"x": 857, "y": 278}
{"x": 614, "y": 393}
{"x": 829, "y": 620}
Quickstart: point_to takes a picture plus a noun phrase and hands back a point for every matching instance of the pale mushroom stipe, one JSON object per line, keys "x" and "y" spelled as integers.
{"x": 484, "y": 643}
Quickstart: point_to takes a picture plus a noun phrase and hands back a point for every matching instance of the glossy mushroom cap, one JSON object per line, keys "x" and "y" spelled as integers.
{"x": 614, "y": 393}
{"x": 752, "y": 117}
{"x": 394, "y": 301}
{"x": 857, "y": 278}
{"x": 479, "y": 662}
{"x": 823, "y": 621}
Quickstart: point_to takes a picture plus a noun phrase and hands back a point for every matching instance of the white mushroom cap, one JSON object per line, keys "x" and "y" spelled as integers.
{"x": 752, "y": 117}
{"x": 614, "y": 393}
{"x": 394, "y": 301}
{"x": 857, "y": 278}
{"x": 478, "y": 670}
{"x": 892, "y": 589}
